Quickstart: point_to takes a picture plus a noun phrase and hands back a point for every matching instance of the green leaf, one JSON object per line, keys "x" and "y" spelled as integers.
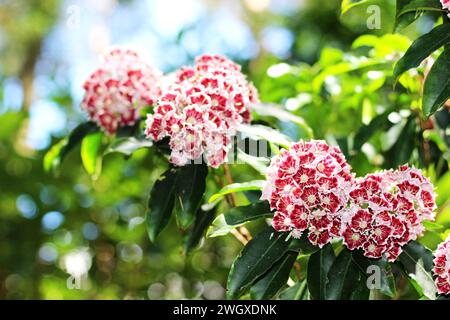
{"x": 387, "y": 280}
{"x": 436, "y": 89}
{"x": 55, "y": 156}
{"x": 237, "y": 187}
{"x": 238, "y": 216}
{"x": 257, "y": 257}
{"x": 345, "y": 280}
{"x": 379, "y": 123}
{"x": 418, "y": 263}
{"x": 297, "y": 292}
{"x": 409, "y": 11}
{"x": 128, "y": 145}
{"x": 401, "y": 151}
{"x": 405, "y": 6}
{"x": 260, "y": 164}
{"x": 198, "y": 229}
{"x": 257, "y": 132}
{"x": 271, "y": 282}
{"x": 319, "y": 265}
{"x": 90, "y": 151}
{"x": 280, "y": 113}
{"x": 161, "y": 203}
{"x": 303, "y": 246}
{"x": 52, "y": 158}
{"x": 190, "y": 187}
{"x": 422, "y": 48}
{"x": 346, "y": 5}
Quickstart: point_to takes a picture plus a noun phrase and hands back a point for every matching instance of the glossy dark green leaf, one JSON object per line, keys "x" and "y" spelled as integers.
{"x": 344, "y": 279}
{"x": 271, "y": 282}
{"x": 387, "y": 280}
{"x": 190, "y": 187}
{"x": 405, "y": 6}
{"x": 418, "y": 264}
{"x": 401, "y": 151}
{"x": 436, "y": 90}
{"x": 161, "y": 203}
{"x": 237, "y": 216}
{"x": 299, "y": 291}
{"x": 55, "y": 156}
{"x": 257, "y": 257}
{"x": 302, "y": 245}
{"x": 198, "y": 228}
{"x": 365, "y": 132}
{"x": 422, "y": 48}
{"x": 319, "y": 265}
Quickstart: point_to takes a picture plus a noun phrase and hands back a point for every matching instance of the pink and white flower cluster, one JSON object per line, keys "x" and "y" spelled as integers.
{"x": 311, "y": 187}
{"x": 442, "y": 267}
{"x": 202, "y": 110}
{"x": 307, "y": 187}
{"x": 386, "y": 211}
{"x": 117, "y": 91}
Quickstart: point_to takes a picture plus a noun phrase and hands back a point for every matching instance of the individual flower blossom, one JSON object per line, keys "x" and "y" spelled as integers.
{"x": 117, "y": 91}
{"x": 307, "y": 186}
{"x": 441, "y": 268}
{"x": 386, "y": 211}
{"x": 202, "y": 109}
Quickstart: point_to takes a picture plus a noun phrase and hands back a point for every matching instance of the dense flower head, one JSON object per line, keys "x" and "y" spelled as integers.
{"x": 307, "y": 186}
{"x": 446, "y": 5}
{"x": 386, "y": 211}
{"x": 202, "y": 110}
{"x": 117, "y": 91}
{"x": 442, "y": 267}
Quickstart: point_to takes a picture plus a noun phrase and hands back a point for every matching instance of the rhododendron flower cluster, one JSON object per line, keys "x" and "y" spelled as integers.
{"x": 307, "y": 186}
{"x": 442, "y": 267}
{"x": 202, "y": 110}
{"x": 386, "y": 211}
{"x": 119, "y": 88}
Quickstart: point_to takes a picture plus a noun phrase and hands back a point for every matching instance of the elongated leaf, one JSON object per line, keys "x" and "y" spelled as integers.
{"x": 238, "y": 216}
{"x": 418, "y": 263}
{"x": 128, "y": 145}
{"x": 409, "y": 11}
{"x": 405, "y": 6}
{"x": 347, "y": 5}
{"x": 237, "y": 187}
{"x": 279, "y": 113}
{"x": 319, "y": 265}
{"x": 257, "y": 132}
{"x": 297, "y": 292}
{"x": 90, "y": 153}
{"x": 76, "y": 136}
{"x": 400, "y": 152}
{"x": 161, "y": 203}
{"x": 387, "y": 281}
{"x": 437, "y": 84}
{"x": 52, "y": 158}
{"x": 422, "y": 48}
{"x": 257, "y": 257}
{"x": 271, "y": 282}
{"x": 55, "y": 156}
{"x": 260, "y": 164}
{"x": 303, "y": 246}
{"x": 344, "y": 279}
{"x": 379, "y": 123}
{"x": 190, "y": 187}
{"x": 198, "y": 229}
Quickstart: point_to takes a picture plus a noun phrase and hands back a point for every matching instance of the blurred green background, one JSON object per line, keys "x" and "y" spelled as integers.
{"x": 299, "y": 53}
